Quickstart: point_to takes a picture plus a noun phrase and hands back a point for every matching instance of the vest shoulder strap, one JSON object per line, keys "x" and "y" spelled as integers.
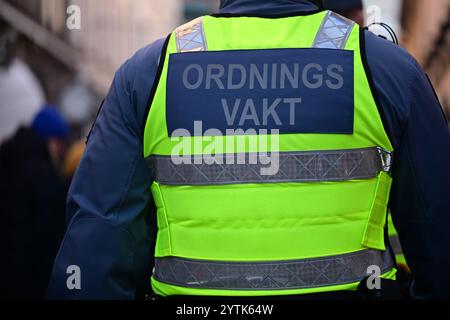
{"x": 334, "y": 32}
{"x": 190, "y": 37}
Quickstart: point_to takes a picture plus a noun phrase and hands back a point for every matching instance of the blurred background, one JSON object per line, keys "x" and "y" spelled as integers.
{"x": 57, "y": 60}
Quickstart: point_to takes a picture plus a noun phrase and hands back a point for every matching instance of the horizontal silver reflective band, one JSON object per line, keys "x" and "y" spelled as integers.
{"x": 283, "y": 275}
{"x": 308, "y": 166}
{"x": 334, "y": 32}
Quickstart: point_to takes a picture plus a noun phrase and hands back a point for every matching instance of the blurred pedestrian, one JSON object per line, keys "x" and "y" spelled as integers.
{"x": 72, "y": 159}
{"x": 32, "y": 202}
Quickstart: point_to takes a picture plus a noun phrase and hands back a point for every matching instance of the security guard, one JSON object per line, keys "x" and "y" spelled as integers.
{"x": 268, "y": 139}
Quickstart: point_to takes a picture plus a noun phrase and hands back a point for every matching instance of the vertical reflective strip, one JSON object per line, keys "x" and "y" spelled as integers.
{"x": 191, "y": 36}
{"x": 374, "y": 231}
{"x": 334, "y": 32}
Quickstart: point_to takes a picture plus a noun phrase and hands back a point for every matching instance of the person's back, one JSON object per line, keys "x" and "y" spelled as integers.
{"x": 339, "y": 123}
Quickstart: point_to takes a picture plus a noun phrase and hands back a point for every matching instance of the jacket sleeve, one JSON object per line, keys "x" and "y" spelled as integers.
{"x": 110, "y": 233}
{"x": 420, "y": 204}
{"x": 419, "y": 132}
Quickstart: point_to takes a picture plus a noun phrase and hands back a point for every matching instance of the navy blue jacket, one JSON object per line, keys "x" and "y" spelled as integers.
{"x": 111, "y": 234}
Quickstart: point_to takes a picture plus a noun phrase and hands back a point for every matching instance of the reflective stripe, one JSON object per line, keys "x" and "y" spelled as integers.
{"x": 334, "y": 32}
{"x": 307, "y": 166}
{"x": 374, "y": 232}
{"x": 395, "y": 244}
{"x": 191, "y": 36}
{"x": 278, "y": 275}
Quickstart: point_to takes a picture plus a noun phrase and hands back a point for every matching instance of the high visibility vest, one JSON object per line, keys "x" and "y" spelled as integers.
{"x": 270, "y": 162}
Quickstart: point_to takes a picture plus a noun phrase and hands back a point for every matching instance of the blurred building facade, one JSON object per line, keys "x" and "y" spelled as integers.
{"x": 111, "y": 31}
{"x": 41, "y": 42}
{"x": 80, "y": 61}
{"x": 426, "y": 26}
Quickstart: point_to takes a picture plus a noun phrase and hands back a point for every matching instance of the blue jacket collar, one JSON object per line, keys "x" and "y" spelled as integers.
{"x": 266, "y": 7}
